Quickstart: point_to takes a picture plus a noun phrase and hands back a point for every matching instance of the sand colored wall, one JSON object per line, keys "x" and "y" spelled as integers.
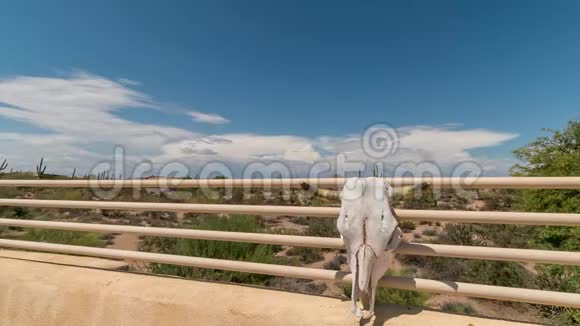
{"x": 40, "y": 293}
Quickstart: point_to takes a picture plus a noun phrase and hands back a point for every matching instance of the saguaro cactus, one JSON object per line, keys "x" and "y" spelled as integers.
{"x": 40, "y": 169}
{"x": 3, "y": 166}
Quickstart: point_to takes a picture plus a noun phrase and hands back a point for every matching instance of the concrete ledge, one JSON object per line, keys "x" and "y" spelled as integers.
{"x": 35, "y": 293}
{"x": 65, "y": 259}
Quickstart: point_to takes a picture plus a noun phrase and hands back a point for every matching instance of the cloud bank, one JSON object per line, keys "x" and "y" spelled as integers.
{"x": 76, "y": 125}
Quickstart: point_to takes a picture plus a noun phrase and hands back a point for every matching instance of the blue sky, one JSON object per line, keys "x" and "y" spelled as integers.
{"x": 315, "y": 72}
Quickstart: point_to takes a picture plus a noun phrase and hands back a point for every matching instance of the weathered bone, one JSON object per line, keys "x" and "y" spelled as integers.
{"x": 368, "y": 227}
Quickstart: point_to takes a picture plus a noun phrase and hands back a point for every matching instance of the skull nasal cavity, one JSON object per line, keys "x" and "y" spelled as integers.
{"x": 364, "y": 229}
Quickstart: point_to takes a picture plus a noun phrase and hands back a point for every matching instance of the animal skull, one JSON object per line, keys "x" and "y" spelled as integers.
{"x": 368, "y": 228}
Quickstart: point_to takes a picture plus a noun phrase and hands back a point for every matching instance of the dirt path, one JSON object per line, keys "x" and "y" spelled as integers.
{"x": 125, "y": 241}
{"x": 284, "y": 222}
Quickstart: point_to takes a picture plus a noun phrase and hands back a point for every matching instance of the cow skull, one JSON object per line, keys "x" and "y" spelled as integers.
{"x": 368, "y": 228}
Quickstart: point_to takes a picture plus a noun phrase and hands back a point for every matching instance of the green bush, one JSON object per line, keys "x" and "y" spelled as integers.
{"x": 322, "y": 227}
{"x": 402, "y": 297}
{"x": 459, "y": 308}
{"x": 498, "y": 273}
{"x": 251, "y": 252}
{"x": 420, "y": 198}
{"x": 430, "y": 232}
{"x": 557, "y": 154}
{"x": 474, "y": 271}
{"x": 562, "y": 279}
{"x": 443, "y": 268}
{"x": 396, "y": 296}
{"x": 464, "y": 234}
{"x": 15, "y": 212}
{"x": 63, "y": 237}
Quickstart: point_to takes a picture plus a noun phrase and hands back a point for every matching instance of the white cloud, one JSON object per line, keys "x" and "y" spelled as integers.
{"x": 445, "y": 146}
{"x": 77, "y": 115}
{"x": 211, "y": 118}
{"x": 244, "y": 147}
{"x": 421, "y": 143}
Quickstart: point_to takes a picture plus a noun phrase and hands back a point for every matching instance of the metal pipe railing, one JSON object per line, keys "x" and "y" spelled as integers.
{"x": 417, "y": 249}
{"x": 562, "y": 219}
{"x": 443, "y": 182}
{"x": 417, "y": 284}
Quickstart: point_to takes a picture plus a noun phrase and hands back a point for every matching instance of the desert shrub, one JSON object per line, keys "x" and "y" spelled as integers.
{"x": 562, "y": 279}
{"x": 510, "y": 236}
{"x": 443, "y": 268}
{"x": 63, "y": 237}
{"x": 307, "y": 255}
{"x": 402, "y": 297}
{"x": 215, "y": 249}
{"x": 464, "y": 234}
{"x": 113, "y": 213}
{"x": 430, "y": 232}
{"x": 459, "y": 308}
{"x": 407, "y": 226}
{"x": 335, "y": 263}
{"x": 322, "y": 227}
{"x": 499, "y": 273}
{"x": 15, "y": 212}
{"x": 498, "y": 200}
{"x": 412, "y": 260}
{"x": 436, "y": 267}
{"x": 396, "y": 296}
{"x": 473, "y": 271}
{"x": 420, "y": 198}
{"x": 417, "y": 235}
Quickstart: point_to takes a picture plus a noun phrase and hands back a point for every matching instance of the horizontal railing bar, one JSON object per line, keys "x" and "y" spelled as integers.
{"x": 490, "y": 217}
{"x": 562, "y": 219}
{"x": 177, "y": 207}
{"x": 443, "y": 182}
{"x": 491, "y": 253}
{"x": 263, "y": 238}
{"x": 417, "y": 249}
{"x": 417, "y": 284}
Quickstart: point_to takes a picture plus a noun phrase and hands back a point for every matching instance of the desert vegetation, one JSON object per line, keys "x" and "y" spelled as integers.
{"x": 555, "y": 155}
